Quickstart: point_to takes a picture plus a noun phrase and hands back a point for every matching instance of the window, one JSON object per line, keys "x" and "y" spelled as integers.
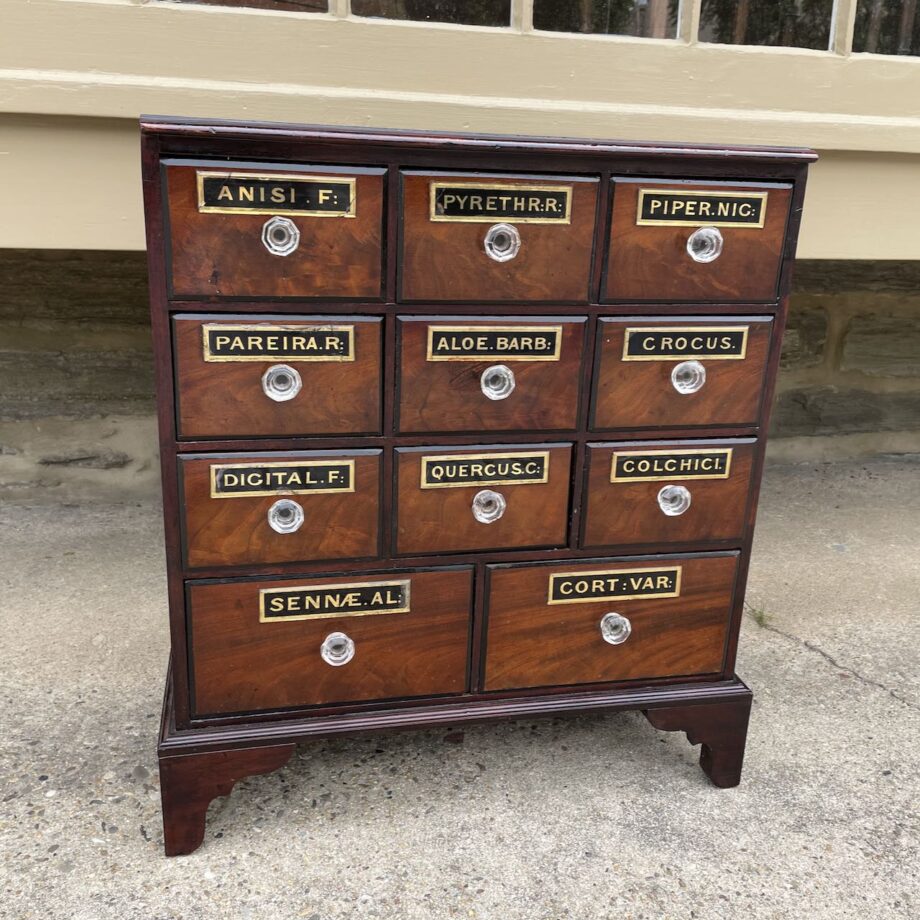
{"x": 466, "y": 12}
{"x": 887, "y": 27}
{"x": 298, "y": 6}
{"x": 791, "y": 23}
{"x": 644, "y": 18}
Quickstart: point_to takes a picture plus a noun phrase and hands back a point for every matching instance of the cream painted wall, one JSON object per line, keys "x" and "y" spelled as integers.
{"x": 75, "y": 74}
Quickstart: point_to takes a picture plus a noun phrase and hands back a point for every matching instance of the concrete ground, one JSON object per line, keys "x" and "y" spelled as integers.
{"x": 595, "y": 817}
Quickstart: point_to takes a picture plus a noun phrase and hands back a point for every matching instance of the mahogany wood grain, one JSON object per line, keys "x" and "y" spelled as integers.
{"x": 190, "y": 782}
{"x": 624, "y": 512}
{"x": 224, "y": 399}
{"x": 447, "y": 260}
{"x": 721, "y": 729}
{"x": 242, "y": 664}
{"x": 532, "y": 643}
{"x": 234, "y": 530}
{"x": 652, "y": 263}
{"x": 440, "y": 520}
{"x": 446, "y": 396}
{"x": 639, "y": 394}
{"x": 222, "y": 254}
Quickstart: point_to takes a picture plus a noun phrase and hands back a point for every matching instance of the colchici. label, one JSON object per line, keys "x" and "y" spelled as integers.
{"x": 635, "y": 466}
{"x": 622, "y": 584}
{"x": 319, "y": 602}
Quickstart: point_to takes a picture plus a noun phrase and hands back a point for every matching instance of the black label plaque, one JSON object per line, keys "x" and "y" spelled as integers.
{"x": 234, "y": 480}
{"x": 321, "y": 602}
{"x": 278, "y": 343}
{"x": 441, "y": 472}
{"x": 656, "y": 465}
{"x": 623, "y": 584}
{"x": 492, "y": 343}
{"x": 522, "y": 204}
{"x": 678, "y": 343}
{"x": 255, "y": 193}
{"x": 695, "y": 209}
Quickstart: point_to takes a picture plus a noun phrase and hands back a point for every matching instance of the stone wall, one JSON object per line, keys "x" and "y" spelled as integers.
{"x": 77, "y": 409}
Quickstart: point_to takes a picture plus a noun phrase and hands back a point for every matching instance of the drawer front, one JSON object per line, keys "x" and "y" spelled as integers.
{"x": 667, "y": 492}
{"x": 546, "y": 625}
{"x": 496, "y": 238}
{"x": 269, "y": 644}
{"x": 251, "y": 509}
{"x": 495, "y": 374}
{"x": 656, "y": 372}
{"x": 244, "y": 376}
{"x": 475, "y": 498}
{"x": 736, "y": 255}
{"x": 264, "y": 230}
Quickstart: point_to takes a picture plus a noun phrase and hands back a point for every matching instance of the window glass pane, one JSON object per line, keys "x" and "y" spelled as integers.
{"x": 467, "y": 12}
{"x": 302, "y": 6}
{"x": 887, "y": 27}
{"x": 645, "y": 18}
{"x": 790, "y": 23}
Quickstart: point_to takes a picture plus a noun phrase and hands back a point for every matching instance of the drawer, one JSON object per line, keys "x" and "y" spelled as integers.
{"x": 469, "y": 236}
{"x": 252, "y": 376}
{"x": 671, "y": 372}
{"x": 268, "y": 230}
{"x": 253, "y": 509}
{"x": 667, "y": 491}
{"x": 607, "y": 620}
{"x": 492, "y": 374}
{"x": 690, "y": 241}
{"x": 452, "y": 499}
{"x": 272, "y": 644}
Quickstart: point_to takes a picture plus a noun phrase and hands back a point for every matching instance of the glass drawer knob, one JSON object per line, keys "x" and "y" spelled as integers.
{"x": 502, "y": 242}
{"x": 488, "y": 506}
{"x": 615, "y": 628}
{"x": 337, "y": 649}
{"x": 497, "y": 382}
{"x": 674, "y": 500}
{"x": 281, "y": 383}
{"x": 688, "y": 377}
{"x": 285, "y": 516}
{"x": 705, "y": 244}
{"x": 280, "y": 236}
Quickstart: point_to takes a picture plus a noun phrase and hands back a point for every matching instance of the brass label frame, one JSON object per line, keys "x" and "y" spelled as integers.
{"x": 611, "y": 598}
{"x": 432, "y": 328}
{"x": 434, "y": 458}
{"x": 727, "y": 451}
{"x": 350, "y": 181}
{"x": 701, "y": 222}
{"x": 631, "y": 330}
{"x": 435, "y": 187}
{"x": 349, "y": 463}
{"x": 211, "y": 358}
{"x": 404, "y": 584}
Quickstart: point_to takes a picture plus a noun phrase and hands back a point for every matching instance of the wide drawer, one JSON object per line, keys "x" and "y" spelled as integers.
{"x": 253, "y": 376}
{"x": 667, "y": 491}
{"x": 690, "y": 241}
{"x": 673, "y": 372}
{"x": 266, "y": 230}
{"x": 489, "y": 374}
{"x": 251, "y": 509}
{"x": 452, "y": 499}
{"x": 495, "y": 238}
{"x": 272, "y": 644}
{"x": 607, "y": 620}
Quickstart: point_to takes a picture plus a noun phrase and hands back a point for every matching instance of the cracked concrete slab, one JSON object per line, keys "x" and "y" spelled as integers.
{"x": 594, "y": 817}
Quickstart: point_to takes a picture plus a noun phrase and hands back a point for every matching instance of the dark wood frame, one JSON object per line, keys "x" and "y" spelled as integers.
{"x": 203, "y": 758}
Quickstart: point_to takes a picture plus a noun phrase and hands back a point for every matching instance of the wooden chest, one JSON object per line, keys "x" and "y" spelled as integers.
{"x": 455, "y": 428}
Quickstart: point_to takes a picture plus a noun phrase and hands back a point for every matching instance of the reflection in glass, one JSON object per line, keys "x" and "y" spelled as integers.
{"x": 644, "y": 18}
{"x": 466, "y": 12}
{"x": 887, "y": 27}
{"x": 788, "y": 23}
